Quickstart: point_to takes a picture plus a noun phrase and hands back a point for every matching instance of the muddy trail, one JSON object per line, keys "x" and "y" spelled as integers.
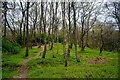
{"x": 24, "y": 68}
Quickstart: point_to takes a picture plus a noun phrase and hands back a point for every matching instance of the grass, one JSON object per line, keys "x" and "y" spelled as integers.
{"x": 54, "y": 67}
{"x": 49, "y": 67}
{"x": 11, "y": 63}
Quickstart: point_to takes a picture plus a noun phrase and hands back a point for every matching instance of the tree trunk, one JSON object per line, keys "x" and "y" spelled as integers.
{"x": 44, "y": 23}
{"x": 5, "y": 13}
{"x": 82, "y": 39}
{"x": 57, "y": 27}
{"x": 49, "y": 35}
{"x": 40, "y": 37}
{"x": 41, "y": 19}
{"x": 69, "y": 32}
{"x": 74, "y": 32}
{"x": 53, "y": 35}
{"x": 51, "y": 46}
{"x": 51, "y": 6}
{"x": 27, "y": 45}
{"x": 24, "y": 36}
{"x": 35, "y": 25}
{"x": 101, "y": 35}
{"x": 64, "y": 36}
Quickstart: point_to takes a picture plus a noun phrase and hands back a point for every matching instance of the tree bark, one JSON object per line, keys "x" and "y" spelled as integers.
{"x": 64, "y": 36}
{"x": 27, "y": 45}
{"x": 57, "y": 27}
{"x": 74, "y": 32}
{"x": 41, "y": 19}
{"x": 44, "y": 23}
{"x": 5, "y": 13}
{"x": 102, "y": 41}
{"x": 69, "y": 32}
{"x": 53, "y": 35}
{"x": 34, "y": 26}
{"x": 24, "y": 36}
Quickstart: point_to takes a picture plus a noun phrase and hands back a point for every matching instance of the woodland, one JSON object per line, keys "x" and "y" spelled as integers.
{"x": 60, "y": 39}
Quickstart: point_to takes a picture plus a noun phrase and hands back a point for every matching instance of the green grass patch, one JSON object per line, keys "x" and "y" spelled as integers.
{"x": 11, "y": 63}
{"x": 54, "y": 67}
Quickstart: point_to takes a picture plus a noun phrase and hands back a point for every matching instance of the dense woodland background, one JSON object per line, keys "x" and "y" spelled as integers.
{"x": 94, "y": 25}
{"x": 91, "y": 24}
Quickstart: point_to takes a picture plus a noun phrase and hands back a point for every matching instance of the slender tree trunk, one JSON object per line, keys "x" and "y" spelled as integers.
{"x": 35, "y": 25}
{"x": 21, "y": 25}
{"x": 82, "y": 37}
{"x": 44, "y": 22}
{"x": 49, "y": 35}
{"x": 40, "y": 35}
{"x": 74, "y": 32}
{"x": 64, "y": 36}
{"x": 56, "y": 20}
{"x": 5, "y": 13}
{"x": 51, "y": 46}
{"x": 53, "y": 32}
{"x": 53, "y": 42}
{"x": 44, "y": 41}
{"x": 87, "y": 39}
{"x": 41, "y": 18}
{"x": 69, "y": 32}
{"x": 101, "y": 35}
{"x": 24, "y": 36}
{"x": 27, "y": 45}
{"x": 49, "y": 28}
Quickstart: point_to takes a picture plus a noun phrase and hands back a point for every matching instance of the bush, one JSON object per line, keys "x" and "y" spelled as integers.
{"x": 19, "y": 39}
{"x": 8, "y": 47}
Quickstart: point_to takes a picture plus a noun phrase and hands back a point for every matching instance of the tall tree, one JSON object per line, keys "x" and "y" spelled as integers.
{"x": 56, "y": 26}
{"x": 40, "y": 27}
{"x": 5, "y": 13}
{"x": 69, "y": 33}
{"x": 64, "y": 35}
{"x": 34, "y": 25}
{"x": 53, "y": 23}
{"x": 49, "y": 29}
{"x": 44, "y": 24}
{"x": 27, "y": 45}
{"x": 74, "y": 31}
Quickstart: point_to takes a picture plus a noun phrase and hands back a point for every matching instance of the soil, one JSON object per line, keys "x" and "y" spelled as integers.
{"x": 98, "y": 60}
{"x": 24, "y": 68}
{"x": 35, "y": 46}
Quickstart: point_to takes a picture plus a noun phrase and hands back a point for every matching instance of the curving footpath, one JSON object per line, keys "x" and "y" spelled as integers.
{"x": 24, "y": 68}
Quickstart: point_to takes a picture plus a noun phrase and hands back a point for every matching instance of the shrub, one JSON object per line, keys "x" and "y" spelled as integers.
{"x": 19, "y": 39}
{"x": 8, "y": 47}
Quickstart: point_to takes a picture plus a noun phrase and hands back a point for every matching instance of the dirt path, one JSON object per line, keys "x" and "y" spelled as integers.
{"x": 24, "y": 69}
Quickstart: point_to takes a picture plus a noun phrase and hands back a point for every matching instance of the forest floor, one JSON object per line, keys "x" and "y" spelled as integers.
{"x": 14, "y": 65}
{"x": 24, "y": 69}
{"x": 91, "y": 65}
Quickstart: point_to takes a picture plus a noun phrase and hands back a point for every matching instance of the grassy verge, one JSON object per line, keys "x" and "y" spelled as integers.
{"x": 11, "y": 63}
{"x": 54, "y": 67}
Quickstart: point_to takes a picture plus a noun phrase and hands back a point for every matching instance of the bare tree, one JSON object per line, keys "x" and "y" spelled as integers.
{"x": 5, "y": 13}
{"x": 27, "y": 45}
{"x": 69, "y": 33}
{"x": 56, "y": 26}
{"x": 44, "y": 24}
{"x": 64, "y": 36}
{"x": 74, "y": 32}
{"x": 34, "y": 25}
